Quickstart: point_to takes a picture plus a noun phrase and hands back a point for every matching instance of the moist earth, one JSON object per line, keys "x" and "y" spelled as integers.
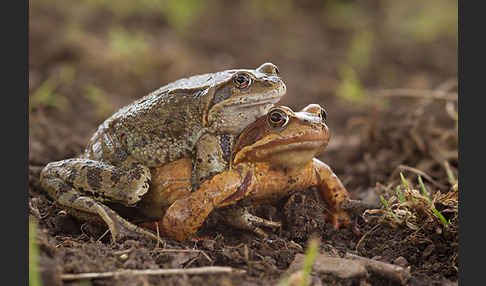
{"x": 86, "y": 61}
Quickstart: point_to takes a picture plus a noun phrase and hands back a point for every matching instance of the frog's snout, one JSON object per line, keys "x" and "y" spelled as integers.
{"x": 278, "y": 84}
{"x": 283, "y": 87}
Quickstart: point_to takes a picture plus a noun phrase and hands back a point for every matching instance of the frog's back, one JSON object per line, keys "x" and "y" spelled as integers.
{"x": 156, "y": 129}
{"x": 200, "y": 81}
{"x": 160, "y": 127}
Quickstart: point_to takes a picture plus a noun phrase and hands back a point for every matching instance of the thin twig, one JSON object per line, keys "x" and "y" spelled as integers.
{"x": 419, "y": 93}
{"x": 187, "y": 250}
{"x": 134, "y": 272}
{"x": 357, "y": 206}
{"x": 450, "y": 174}
{"x": 364, "y": 235}
{"x": 120, "y": 252}
{"x": 104, "y": 234}
{"x": 191, "y": 261}
{"x": 390, "y": 271}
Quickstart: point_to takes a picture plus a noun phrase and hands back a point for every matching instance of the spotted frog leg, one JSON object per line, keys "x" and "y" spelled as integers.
{"x": 82, "y": 185}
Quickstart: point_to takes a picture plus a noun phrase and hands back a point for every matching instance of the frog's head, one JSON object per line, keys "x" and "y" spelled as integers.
{"x": 239, "y": 97}
{"x": 284, "y": 138}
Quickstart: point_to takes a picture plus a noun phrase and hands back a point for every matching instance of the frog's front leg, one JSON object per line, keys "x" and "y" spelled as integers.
{"x": 82, "y": 185}
{"x": 212, "y": 155}
{"x": 184, "y": 217}
{"x": 332, "y": 190}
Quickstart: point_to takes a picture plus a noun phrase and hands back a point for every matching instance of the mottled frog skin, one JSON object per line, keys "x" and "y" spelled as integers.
{"x": 195, "y": 118}
{"x": 273, "y": 157}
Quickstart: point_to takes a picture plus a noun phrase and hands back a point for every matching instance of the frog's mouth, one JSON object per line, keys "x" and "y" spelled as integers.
{"x": 312, "y": 142}
{"x": 282, "y": 152}
{"x": 232, "y": 116}
{"x": 264, "y": 99}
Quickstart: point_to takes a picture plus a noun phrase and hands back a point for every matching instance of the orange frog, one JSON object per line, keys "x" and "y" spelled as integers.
{"x": 272, "y": 157}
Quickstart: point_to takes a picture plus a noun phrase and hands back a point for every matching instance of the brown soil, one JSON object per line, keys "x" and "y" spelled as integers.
{"x": 73, "y": 47}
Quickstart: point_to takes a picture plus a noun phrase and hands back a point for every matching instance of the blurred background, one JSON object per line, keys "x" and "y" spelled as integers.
{"x": 358, "y": 59}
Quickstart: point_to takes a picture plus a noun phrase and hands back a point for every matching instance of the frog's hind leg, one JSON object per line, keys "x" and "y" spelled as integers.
{"x": 64, "y": 182}
{"x": 120, "y": 228}
{"x": 125, "y": 184}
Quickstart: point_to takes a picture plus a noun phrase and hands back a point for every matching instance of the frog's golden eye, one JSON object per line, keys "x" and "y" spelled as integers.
{"x": 277, "y": 118}
{"x": 242, "y": 80}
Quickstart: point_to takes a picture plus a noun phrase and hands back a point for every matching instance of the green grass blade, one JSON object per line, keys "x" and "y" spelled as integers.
{"x": 389, "y": 210}
{"x": 400, "y": 195}
{"x": 450, "y": 175}
{"x": 34, "y": 277}
{"x": 424, "y": 190}
{"x": 404, "y": 182}
{"x": 383, "y": 201}
{"x": 440, "y": 216}
{"x": 309, "y": 259}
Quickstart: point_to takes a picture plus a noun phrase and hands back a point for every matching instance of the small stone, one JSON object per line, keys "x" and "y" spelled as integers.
{"x": 401, "y": 261}
{"x": 339, "y": 267}
{"x": 296, "y": 279}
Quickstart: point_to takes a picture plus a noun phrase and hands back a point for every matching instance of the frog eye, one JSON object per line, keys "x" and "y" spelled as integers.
{"x": 242, "y": 80}
{"x": 277, "y": 118}
{"x": 323, "y": 114}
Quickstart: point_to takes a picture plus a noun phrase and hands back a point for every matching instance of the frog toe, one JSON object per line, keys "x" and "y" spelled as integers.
{"x": 121, "y": 234}
{"x": 339, "y": 219}
{"x": 122, "y": 230}
{"x": 240, "y": 218}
